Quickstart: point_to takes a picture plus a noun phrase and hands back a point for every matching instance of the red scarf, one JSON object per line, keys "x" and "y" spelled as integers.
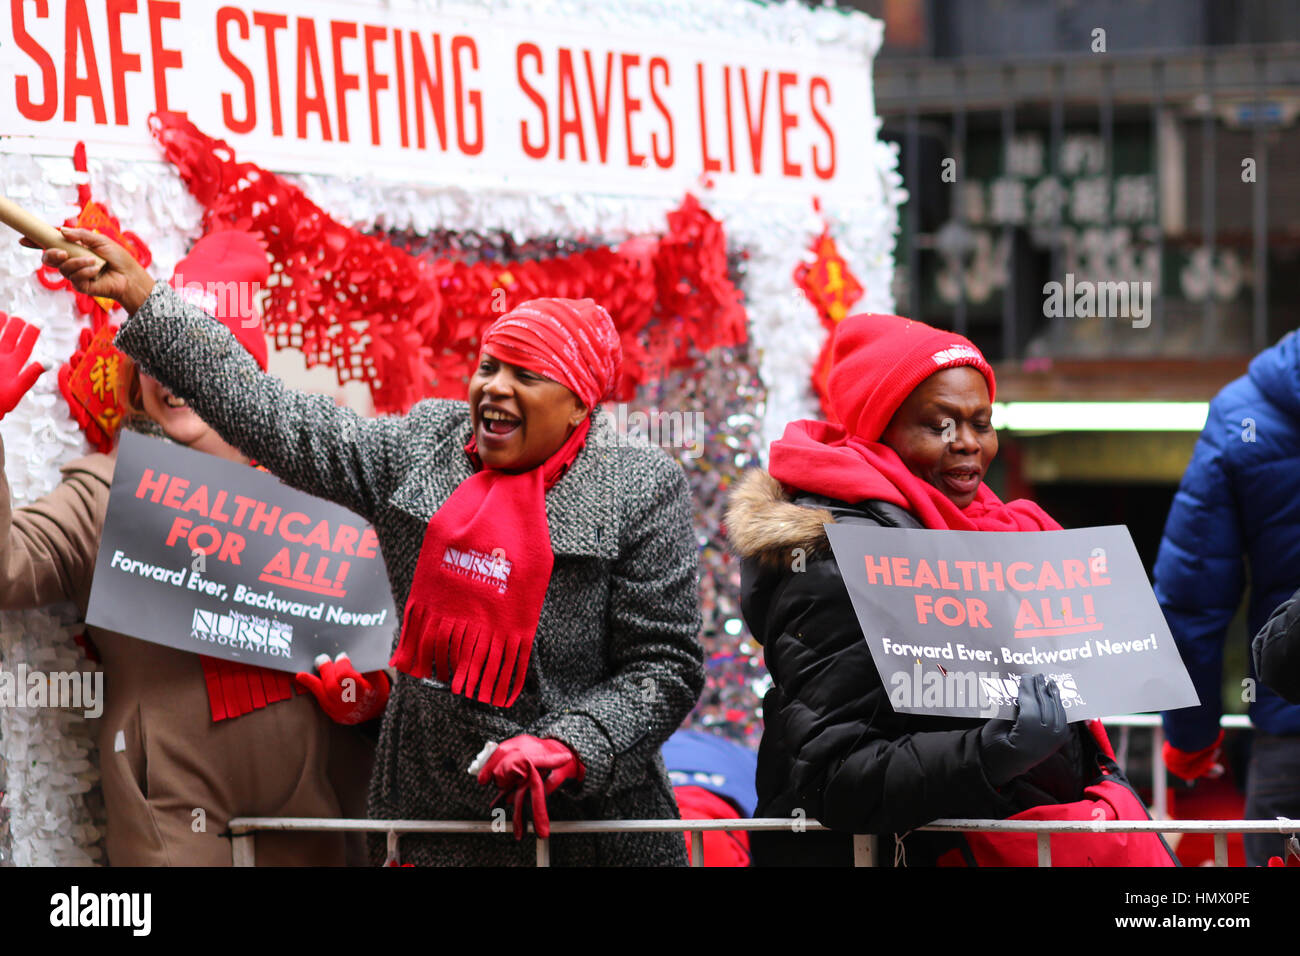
{"x": 482, "y": 576}
{"x": 235, "y": 688}
{"x": 824, "y": 459}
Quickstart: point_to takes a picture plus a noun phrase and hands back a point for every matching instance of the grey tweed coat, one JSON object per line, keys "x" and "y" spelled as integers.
{"x": 616, "y": 662}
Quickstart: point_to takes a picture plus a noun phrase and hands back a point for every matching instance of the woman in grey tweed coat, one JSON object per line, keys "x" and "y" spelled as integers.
{"x": 616, "y": 662}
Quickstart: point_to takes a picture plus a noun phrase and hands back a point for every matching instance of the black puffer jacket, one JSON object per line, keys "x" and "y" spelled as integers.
{"x": 833, "y": 746}
{"x": 1277, "y": 650}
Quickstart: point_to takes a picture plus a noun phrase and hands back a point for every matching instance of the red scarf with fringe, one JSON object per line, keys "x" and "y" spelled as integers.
{"x": 235, "y": 689}
{"x": 483, "y": 571}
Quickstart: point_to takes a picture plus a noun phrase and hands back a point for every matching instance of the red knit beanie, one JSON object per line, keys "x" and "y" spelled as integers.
{"x": 222, "y": 275}
{"x": 877, "y": 360}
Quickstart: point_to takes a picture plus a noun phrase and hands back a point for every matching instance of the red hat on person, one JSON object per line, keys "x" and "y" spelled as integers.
{"x": 877, "y": 360}
{"x": 571, "y": 341}
{"x": 222, "y": 275}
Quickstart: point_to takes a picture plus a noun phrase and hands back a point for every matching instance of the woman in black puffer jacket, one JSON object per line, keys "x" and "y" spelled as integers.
{"x": 912, "y": 452}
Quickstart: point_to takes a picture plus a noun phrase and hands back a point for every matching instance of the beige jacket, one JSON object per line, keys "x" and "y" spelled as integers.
{"x": 162, "y": 756}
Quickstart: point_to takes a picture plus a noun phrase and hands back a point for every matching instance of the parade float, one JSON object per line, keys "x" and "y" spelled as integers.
{"x": 711, "y": 172}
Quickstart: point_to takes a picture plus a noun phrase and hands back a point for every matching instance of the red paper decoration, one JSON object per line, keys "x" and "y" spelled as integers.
{"x": 692, "y": 284}
{"x": 333, "y": 289}
{"x": 410, "y": 329}
{"x": 95, "y": 381}
{"x": 832, "y": 289}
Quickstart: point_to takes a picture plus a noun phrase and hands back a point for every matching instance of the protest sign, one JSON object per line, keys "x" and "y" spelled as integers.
{"x": 954, "y": 618}
{"x": 207, "y": 555}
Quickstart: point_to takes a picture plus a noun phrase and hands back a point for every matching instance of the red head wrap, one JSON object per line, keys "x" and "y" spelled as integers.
{"x": 570, "y": 341}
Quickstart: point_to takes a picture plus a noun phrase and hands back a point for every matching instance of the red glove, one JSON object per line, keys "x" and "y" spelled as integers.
{"x": 531, "y": 767}
{"x": 1193, "y": 764}
{"x": 348, "y": 697}
{"x": 16, "y": 341}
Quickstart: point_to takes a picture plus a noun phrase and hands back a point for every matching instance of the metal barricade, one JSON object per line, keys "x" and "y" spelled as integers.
{"x": 866, "y": 850}
{"x": 243, "y": 830}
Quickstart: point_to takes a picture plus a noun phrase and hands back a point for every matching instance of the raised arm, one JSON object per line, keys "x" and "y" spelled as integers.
{"x": 307, "y": 440}
{"x": 47, "y": 550}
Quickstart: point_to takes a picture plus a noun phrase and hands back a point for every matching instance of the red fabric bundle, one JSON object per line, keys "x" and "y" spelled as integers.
{"x": 1105, "y": 798}
{"x": 721, "y": 847}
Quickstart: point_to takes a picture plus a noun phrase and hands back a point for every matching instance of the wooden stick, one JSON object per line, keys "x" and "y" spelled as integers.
{"x": 40, "y": 232}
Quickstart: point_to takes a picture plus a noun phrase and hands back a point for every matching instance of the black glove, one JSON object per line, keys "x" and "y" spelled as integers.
{"x": 1277, "y": 651}
{"x": 1013, "y": 747}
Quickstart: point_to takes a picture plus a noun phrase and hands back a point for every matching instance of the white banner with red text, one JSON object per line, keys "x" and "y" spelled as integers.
{"x": 454, "y": 96}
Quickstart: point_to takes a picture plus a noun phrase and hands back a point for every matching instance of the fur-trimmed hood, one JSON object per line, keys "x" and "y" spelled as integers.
{"x": 764, "y": 523}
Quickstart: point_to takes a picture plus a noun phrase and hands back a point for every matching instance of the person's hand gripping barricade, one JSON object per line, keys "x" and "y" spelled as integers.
{"x": 530, "y": 769}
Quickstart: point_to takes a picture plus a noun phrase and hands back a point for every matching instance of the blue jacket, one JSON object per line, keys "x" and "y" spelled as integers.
{"x": 1237, "y": 513}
